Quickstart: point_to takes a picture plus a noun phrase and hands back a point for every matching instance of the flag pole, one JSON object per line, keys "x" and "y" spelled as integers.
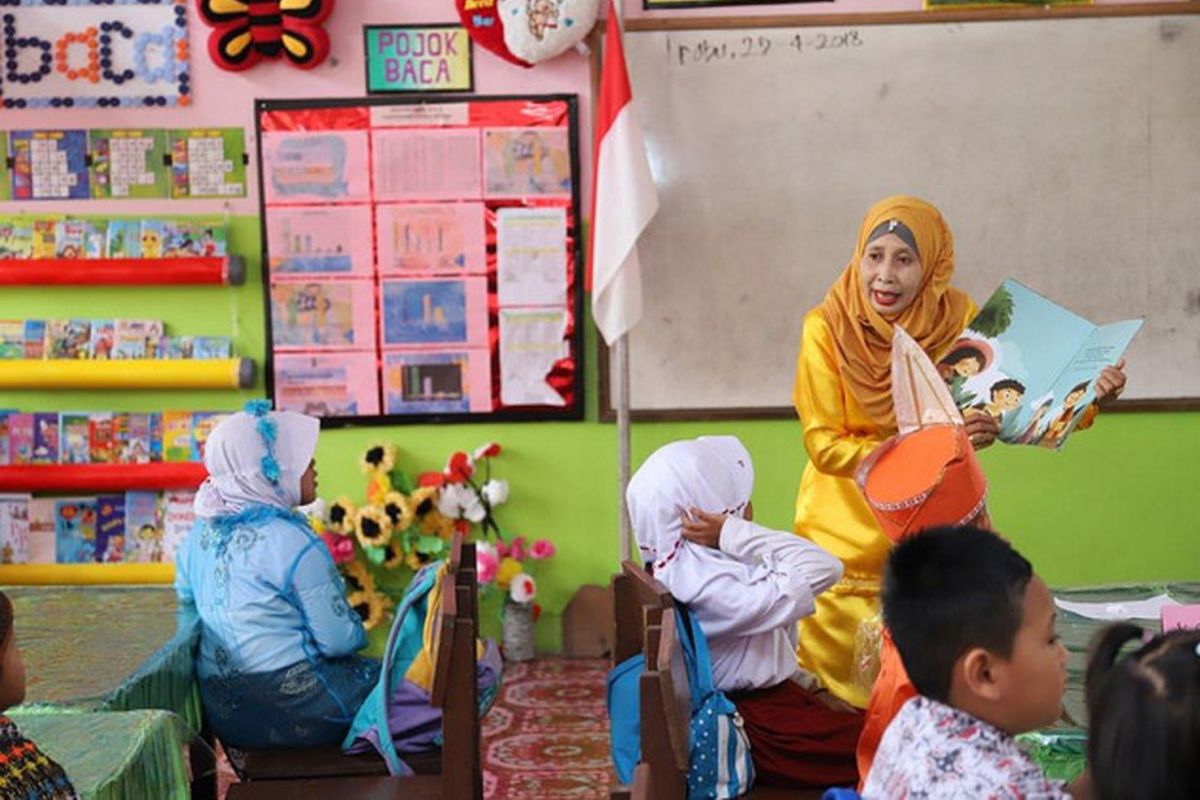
{"x": 620, "y": 351}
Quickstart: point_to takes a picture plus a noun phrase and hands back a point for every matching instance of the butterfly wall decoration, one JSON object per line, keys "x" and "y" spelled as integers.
{"x": 247, "y": 32}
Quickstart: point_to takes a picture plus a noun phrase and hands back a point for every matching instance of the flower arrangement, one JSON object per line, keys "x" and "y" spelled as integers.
{"x": 403, "y": 525}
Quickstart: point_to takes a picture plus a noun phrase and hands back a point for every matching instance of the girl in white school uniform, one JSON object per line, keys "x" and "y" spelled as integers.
{"x": 747, "y": 585}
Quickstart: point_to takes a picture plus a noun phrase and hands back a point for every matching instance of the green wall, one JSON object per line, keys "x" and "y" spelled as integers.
{"x": 1116, "y": 505}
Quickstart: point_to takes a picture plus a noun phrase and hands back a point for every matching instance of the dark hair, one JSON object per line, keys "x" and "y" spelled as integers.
{"x": 6, "y": 620}
{"x": 1079, "y": 387}
{"x": 946, "y": 590}
{"x": 962, "y": 353}
{"x": 1008, "y": 383}
{"x": 1144, "y": 715}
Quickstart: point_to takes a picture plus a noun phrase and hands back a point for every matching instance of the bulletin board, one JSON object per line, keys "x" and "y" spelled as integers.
{"x": 421, "y": 258}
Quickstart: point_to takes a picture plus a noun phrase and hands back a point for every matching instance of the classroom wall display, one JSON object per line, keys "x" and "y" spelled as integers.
{"x": 116, "y": 164}
{"x": 422, "y": 257}
{"x": 418, "y": 58}
{"x": 95, "y": 53}
{"x": 245, "y": 34}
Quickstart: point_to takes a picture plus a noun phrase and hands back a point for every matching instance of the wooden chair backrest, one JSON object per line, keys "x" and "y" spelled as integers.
{"x": 635, "y": 595}
{"x": 663, "y": 777}
{"x": 456, "y": 691}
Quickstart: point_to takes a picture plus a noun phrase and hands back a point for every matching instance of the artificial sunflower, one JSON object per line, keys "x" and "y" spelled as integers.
{"x": 393, "y": 554}
{"x": 373, "y": 527}
{"x": 435, "y": 523}
{"x": 398, "y": 510}
{"x": 342, "y": 515}
{"x": 358, "y": 577}
{"x": 379, "y": 457}
{"x": 370, "y": 607}
{"x": 423, "y": 500}
{"x": 416, "y": 560}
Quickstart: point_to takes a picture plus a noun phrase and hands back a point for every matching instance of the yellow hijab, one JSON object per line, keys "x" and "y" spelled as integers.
{"x": 863, "y": 337}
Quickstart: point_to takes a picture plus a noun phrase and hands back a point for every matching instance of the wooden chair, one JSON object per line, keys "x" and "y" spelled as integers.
{"x": 328, "y": 761}
{"x": 454, "y": 690}
{"x": 666, "y": 723}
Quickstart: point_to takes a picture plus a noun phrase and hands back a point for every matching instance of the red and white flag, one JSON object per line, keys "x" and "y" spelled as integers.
{"x": 624, "y": 198}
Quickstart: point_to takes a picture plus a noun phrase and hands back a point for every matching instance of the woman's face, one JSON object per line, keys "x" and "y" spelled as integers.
{"x": 891, "y": 275}
{"x": 308, "y": 484}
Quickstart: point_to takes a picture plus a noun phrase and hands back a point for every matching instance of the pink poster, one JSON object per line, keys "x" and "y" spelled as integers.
{"x": 331, "y": 240}
{"x": 438, "y": 237}
{"x": 437, "y": 382}
{"x": 427, "y": 164}
{"x": 323, "y": 315}
{"x": 433, "y": 313}
{"x": 315, "y": 167}
{"x": 342, "y": 385}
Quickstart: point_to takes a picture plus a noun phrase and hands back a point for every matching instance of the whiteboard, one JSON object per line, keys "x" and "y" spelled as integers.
{"x": 1064, "y": 153}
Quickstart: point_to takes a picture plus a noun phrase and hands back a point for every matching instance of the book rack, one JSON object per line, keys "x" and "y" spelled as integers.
{"x": 190, "y": 270}
{"x": 217, "y": 373}
{"x": 101, "y": 478}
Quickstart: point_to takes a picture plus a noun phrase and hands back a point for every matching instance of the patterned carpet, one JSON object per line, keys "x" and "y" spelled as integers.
{"x": 545, "y": 737}
{"x": 547, "y": 734}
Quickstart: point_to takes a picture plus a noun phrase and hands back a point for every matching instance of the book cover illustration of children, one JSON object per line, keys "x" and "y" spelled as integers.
{"x": 100, "y": 437}
{"x": 68, "y": 338}
{"x": 143, "y": 523}
{"x": 1020, "y": 353}
{"x": 110, "y": 529}
{"x": 76, "y": 443}
{"x": 16, "y": 240}
{"x": 71, "y": 239}
{"x": 134, "y": 439}
{"x": 103, "y": 340}
{"x": 75, "y": 530}
{"x": 203, "y": 423}
{"x": 136, "y": 338}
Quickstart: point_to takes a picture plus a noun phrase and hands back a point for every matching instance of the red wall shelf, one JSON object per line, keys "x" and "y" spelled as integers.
{"x": 123, "y": 271}
{"x": 100, "y": 478}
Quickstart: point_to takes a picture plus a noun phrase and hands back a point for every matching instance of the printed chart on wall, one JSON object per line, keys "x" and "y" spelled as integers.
{"x": 422, "y": 258}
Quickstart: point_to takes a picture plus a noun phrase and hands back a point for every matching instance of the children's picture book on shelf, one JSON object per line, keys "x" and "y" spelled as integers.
{"x": 42, "y": 533}
{"x": 12, "y": 338}
{"x": 14, "y": 528}
{"x": 16, "y": 239}
{"x": 20, "y": 438}
{"x": 143, "y": 528}
{"x": 103, "y": 339}
{"x": 75, "y": 432}
{"x": 177, "y": 435}
{"x": 1032, "y": 364}
{"x": 45, "y": 438}
{"x": 68, "y": 338}
{"x": 137, "y": 338}
{"x": 110, "y": 529}
{"x": 179, "y": 515}
{"x": 75, "y": 530}
{"x": 137, "y": 438}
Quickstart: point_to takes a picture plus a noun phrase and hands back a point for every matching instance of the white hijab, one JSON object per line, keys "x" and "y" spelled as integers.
{"x": 712, "y": 474}
{"x": 233, "y": 457}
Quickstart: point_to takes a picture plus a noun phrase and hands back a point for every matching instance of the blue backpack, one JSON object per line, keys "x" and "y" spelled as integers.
{"x": 718, "y": 748}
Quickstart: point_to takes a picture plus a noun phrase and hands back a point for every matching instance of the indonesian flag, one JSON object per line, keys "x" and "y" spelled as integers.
{"x": 624, "y": 198}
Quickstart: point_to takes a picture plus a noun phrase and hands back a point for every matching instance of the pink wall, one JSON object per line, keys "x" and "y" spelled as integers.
{"x": 226, "y": 99}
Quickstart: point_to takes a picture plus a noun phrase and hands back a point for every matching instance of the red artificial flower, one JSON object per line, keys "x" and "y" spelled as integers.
{"x": 459, "y": 468}
{"x": 435, "y": 479}
{"x": 489, "y": 450}
{"x": 537, "y": 611}
{"x": 462, "y": 526}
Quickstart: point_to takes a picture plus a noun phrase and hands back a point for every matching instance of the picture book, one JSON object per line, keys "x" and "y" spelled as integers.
{"x": 179, "y": 515}
{"x": 151, "y": 240}
{"x": 100, "y": 437}
{"x": 134, "y": 337}
{"x": 14, "y": 528}
{"x": 135, "y": 440}
{"x": 12, "y": 338}
{"x": 35, "y": 338}
{"x": 210, "y": 347}
{"x": 5, "y": 444}
{"x": 41, "y": 548}
{"x": 44, "y": 237}
{"x": 96, "y": 243}
{"x": 20, "y": 438}
{"x": 203, "y": 423}
{"x": 74, "y": 427}
{"x": 124, "y": 238}
{"x": 68, "y": 338}
{"x": 75, "y": 530}
{"x": 103, "y": 339}
{"x": 16, "y": 239}
{"x": 1031, "y": 364}
{"x": 143, "y": 523}
{"x": 70, "y": 239}
{"x": 45, "y": 438}
{"x": 177, "y": 435}
{"x": 110, "y": 529}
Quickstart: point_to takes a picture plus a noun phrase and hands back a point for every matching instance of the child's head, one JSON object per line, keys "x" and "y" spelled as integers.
{"x": 1075, "y": 395}
{"x": 966, "y": 360}
{"x": 259, "y": 457}
{"x": 712, "y": 474}
{"x": 1007, "y": 393}
{"x": 12, "y": 668}
{"x": 975, "y": 627}
{"x": 1144, "y": 715}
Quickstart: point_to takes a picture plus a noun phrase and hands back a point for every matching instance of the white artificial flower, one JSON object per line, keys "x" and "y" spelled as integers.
{"x": 523, "y": 588}
{"x": 473, "y": 509}
{"x": 495, "y": 492}
{"x": 315, "y": 510}
{"x": 452, "y": 498}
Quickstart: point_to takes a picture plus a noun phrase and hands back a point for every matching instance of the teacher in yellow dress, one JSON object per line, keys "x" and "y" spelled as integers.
{"x": 899, "y": 275}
